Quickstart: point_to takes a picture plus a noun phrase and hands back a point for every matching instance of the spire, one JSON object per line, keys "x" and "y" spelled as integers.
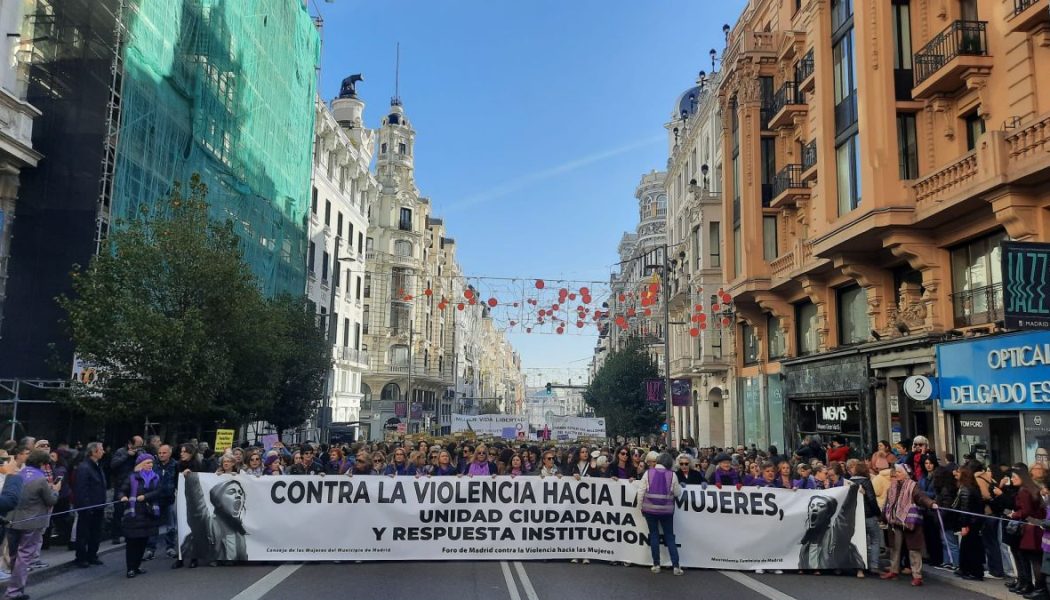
{"x": 396, "y": 100}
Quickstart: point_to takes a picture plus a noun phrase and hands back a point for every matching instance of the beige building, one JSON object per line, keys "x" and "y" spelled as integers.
{"x": 700, "y": 345}
{"x": 877, "y": 153}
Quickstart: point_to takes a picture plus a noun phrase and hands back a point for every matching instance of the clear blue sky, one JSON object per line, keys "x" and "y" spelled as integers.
{"x": 534, "y": 121}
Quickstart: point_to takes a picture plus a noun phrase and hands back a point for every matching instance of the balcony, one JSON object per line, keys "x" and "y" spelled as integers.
{"x": 1028, "y": 16}
{"x": 755, "y": 45}
{"x": 979, "y": 306}
{"x": 809, "y": 161}
{"x": 788, "y": 102}
{"x": 942, "y": 184}
{"x": 804, "y": 73}
{"x": 1029, "y": 147}
{"x": 943, "y": 64}
{"x": 347, "y": 354}
{"x": 789, "y": 186}
{"x": 782, "y": 266}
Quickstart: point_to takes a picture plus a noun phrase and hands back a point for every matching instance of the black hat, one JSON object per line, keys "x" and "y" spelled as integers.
{"x": 722, "y": 457}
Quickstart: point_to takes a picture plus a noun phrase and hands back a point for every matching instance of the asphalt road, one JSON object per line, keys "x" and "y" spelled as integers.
{"x": 481, "y": 580}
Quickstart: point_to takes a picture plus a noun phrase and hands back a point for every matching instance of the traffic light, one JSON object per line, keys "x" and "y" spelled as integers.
{"x": 549, "y": 393}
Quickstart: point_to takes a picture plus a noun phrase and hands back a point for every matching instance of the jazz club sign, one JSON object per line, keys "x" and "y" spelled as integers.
{"x": 1026, "y": 285}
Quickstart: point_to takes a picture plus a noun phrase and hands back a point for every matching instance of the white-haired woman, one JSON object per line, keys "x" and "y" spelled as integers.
{"x": 659, "y": 488}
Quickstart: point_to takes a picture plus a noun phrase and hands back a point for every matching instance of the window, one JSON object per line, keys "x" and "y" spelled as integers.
{"x": 313, "y": 201}
{"x": 807, "y": 336}
{"x": 844, "y": 67}
{"x": 902, "y": 51}
{"x": 361, "y": 241}
{"x": 382, "y": 148}
{"x": 400, "y": 316}
{"x": 968, "y": 9}
{"x": 737, "y": 241}
{"x": 405, "y": 223}
{"x": 324, "y": 266}
{"x": 402, "y": 148}
{"x": 330, "y": 167}
{"x": 357, "y": 336}
{"x": 697, "y": 246}
{"x": 339, "y": 227}
{"x": 311, "y": 255}
{"x": 747, "y": 334}
{"x": 369, "y": 243}
{"x": 847, "y": 174}
{"x": 769, "y": 168}
{"x": 974, "y": 129}
{"x": 714, "y": 250}
{"x": 357, "y": 294}
{"x": 766, "y": 92}
{"x": 399, "y": 356}
{"x": 350, "y": 237}
{"x": 977, "y": 281}
{"x": 777, "y": 345}
{"x": 368, "y": 285}
{"x": 769, "y": 238}
{"x": 853, "y": 315}
{"x": 327, "y": 213}
{"x": 907, "y": 146}
{"x": 364, "y": 320}
{"x": 403, "y": 248}
{"x": 346, "y": 332}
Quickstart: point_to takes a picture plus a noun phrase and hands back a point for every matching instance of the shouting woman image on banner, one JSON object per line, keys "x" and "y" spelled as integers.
{"x": 218, "y": 536}
{"x": 660, "y": 487}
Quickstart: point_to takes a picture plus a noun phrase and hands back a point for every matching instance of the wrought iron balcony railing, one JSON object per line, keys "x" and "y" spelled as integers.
{"x": 961, "y": 38}
{"x": 978, "y": 306}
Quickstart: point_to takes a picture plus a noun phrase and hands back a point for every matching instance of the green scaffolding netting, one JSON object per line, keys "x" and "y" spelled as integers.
{"x": 225, "y": 89}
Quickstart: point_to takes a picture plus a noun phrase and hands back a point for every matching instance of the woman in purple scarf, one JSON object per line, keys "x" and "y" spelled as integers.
{"x": 142, "y": 517}
{"x": 480, "y": 466}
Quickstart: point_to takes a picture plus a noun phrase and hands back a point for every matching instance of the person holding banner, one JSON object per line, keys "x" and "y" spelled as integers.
{"x": 480, "y": 466}
{"x": 583, "y": 463}
{"x": 686, "y": 474}
{"x": 902, "y": 513}
{"x": 622, "y": 467}
{"x": 659, "y": 488}
{"x": 549, "y": 468}
{"x": 444, "y": 467}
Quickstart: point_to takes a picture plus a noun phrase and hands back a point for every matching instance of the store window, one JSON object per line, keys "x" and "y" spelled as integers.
{"x": 808, "y": 340}
{"x": 853, "y": 315}
{"x": 750, "y": 338}
{"x": 777, "y": 345}
{"x": 977, "y": 281}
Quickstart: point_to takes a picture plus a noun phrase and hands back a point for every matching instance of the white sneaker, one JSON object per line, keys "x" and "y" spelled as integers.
{"x": 679, "y": 571}
{"x": 586, "y": 561}
{"x": 778, "y": 572}
{"x": 574, "y": 561}
{"x": 655, "y": 569}
{"x": 760, "y": 571}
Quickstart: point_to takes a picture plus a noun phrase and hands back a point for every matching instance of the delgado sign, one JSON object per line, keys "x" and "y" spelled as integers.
{"x": 521, "y": 518}
{"x": 1007, "y": 372}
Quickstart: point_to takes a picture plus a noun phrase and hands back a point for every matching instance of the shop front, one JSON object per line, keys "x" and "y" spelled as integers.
{"x": 996, "y": 390}
{"x": 830, "y": 395}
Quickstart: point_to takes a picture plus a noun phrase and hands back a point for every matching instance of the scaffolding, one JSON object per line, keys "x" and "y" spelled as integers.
{"x": 226, "y": 90}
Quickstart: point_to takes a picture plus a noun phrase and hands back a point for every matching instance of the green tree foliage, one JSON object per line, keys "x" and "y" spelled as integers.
{"x": 617, "y": 393}
{"x": 177, "y": 327}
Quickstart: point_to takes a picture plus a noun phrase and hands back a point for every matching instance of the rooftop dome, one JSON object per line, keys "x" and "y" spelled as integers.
{"x": 687, "y": 103}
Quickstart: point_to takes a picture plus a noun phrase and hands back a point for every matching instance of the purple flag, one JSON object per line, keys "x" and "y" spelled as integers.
{"x": 654, "y": 391}
{"x": 681, "y": 390}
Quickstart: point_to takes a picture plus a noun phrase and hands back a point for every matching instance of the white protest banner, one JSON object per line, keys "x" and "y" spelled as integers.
{"x": 494, "y": 425}
{"x": 242, "y": 517}
{"x": 571, "y": 428}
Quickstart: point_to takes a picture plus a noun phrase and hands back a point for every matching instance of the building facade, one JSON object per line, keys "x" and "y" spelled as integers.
{"x": 342, "y": 192}
{"x": 872, "y": 175}
{"x": 16, "y": 131}
{"x": 700, "y": 344}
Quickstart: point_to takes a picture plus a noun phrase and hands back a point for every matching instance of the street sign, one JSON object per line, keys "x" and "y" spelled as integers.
{"x": 1026, "y": 285}
{"x": 918, "y": 387}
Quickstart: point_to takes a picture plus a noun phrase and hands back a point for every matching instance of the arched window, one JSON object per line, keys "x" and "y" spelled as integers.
{"x": 390, "y": 392}
{"x": 403, "y": 248}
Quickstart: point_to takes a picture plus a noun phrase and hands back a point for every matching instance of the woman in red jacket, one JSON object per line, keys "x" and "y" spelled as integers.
{"x": 1028, "y": 553}
{"x": 839, "y": 451}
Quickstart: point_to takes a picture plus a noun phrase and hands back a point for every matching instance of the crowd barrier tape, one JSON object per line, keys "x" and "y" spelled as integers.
{"x": 303, "y": 518}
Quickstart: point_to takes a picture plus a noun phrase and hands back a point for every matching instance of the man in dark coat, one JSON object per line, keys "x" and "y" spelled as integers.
{"x": 90, "y": 490}
{"x": 166, "y": 468}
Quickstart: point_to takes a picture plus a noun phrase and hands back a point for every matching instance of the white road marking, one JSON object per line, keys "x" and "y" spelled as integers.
{"x": 757, "y": 586}
{"x": 512, "y": 586}
{"x": 271, "y": 580}
{"x": 530, "y": 592}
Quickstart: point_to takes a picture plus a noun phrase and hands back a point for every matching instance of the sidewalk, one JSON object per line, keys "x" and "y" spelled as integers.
{"x": 993, "y": 588}
{"x": 60, "y": 560}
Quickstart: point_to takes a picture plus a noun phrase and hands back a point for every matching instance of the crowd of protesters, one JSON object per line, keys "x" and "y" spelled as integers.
{"x": 920, "y": 509}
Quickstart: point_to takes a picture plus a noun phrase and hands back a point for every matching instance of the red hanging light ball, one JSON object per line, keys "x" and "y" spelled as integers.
{"x": 460, "y": 306}
{"x": 694, "y": 332}
{"x": 586, "y": 299}
{"x": 493, "y": 302}
{"x": 428, "y": 292}
{"x": 725, "y": 322}
{"x": 468, "y": 293}
{"x": 585, "y": 292}
{"x": 539, "y": 284}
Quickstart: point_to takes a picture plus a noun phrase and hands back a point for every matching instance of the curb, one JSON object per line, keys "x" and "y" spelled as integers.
{"x": 55, "y": 570}
{"x": 989, "y": 588}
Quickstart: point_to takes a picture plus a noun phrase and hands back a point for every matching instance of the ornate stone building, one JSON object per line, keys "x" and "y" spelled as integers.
{"x": 872, "y": 173}
{"x": 700, "y": 349}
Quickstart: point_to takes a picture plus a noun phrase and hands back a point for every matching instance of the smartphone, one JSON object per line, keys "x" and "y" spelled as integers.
{"x": 58, "y": 480}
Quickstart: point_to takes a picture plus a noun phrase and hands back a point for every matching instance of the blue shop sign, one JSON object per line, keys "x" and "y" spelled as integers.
{"x": 1005, "y": 372}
